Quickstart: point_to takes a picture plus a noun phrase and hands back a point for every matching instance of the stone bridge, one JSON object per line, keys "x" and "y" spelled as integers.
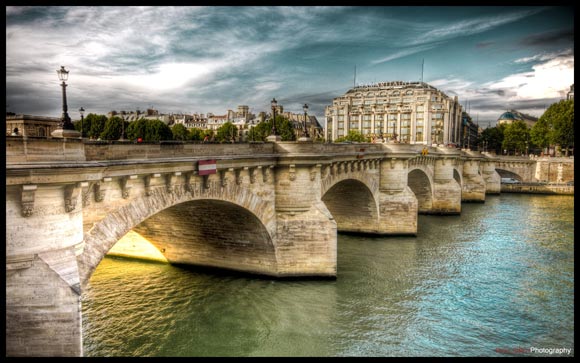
{"x": 270, "y": 208}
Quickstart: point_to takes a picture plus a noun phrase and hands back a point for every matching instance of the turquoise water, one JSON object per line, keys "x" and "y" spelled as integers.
{"x": 497, "y": 280}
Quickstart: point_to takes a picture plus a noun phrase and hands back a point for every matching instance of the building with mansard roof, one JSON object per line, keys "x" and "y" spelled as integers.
{"x": 409, "y": 112}
{"x": 512, "y": 115}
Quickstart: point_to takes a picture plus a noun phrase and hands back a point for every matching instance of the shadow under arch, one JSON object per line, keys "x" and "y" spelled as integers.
{"x": 252, "y": 215}
{"x": 353, "y": 206}
{"x": 508, "y": 174}
{"x": 420, "y": 184}
{"x": 211, "y": 233}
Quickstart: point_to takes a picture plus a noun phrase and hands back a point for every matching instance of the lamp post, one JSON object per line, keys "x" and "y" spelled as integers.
{"x": 305, "y": 137}
{"x": 82, "y": 112}
{"x": 274, "y": 137}
{"x": 65, "y": 129}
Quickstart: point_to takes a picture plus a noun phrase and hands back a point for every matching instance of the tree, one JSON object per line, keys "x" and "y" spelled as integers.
{"x": 137, "y": 129}
{"x": 556, "y": 126}
{"x": 113, "y": 129}
{"x": 262, "y": 130}
{"x": 196, "y": 134}
{"x": 515, "y": 136}
{"x": 562, "y": 117}
{"x": 227, "y": 132}
{"x": 494, "y": 138}
{"x": 353, "y": 136}
{"x": 93, "y": 125}
{"x": 157, "y": 130}
{"x": 180, "y": 132}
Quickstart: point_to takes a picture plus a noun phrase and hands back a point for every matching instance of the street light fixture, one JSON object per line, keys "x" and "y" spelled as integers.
{"x": 65, "y": 128}
{"x": 82, "y": 112}
{"x": 274, "y": 137}
{"x": 66, "y": 123}
{"x": 306, "y": 136}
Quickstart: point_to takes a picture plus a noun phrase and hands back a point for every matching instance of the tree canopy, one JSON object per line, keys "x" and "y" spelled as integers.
{"x": 227, "y": 132}
{"x": 516, "y": 136}
{"x": 555, "y": 126}
{"x": 262, "y": 130}
{"x": 180, "y": 132}
{"x": 149, "y": 130}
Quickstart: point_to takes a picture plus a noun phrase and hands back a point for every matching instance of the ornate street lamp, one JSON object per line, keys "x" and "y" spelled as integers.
{"x": 66, "y": 128}
{"x": 65, "y": 119}
{"x": 274, "y": 135}
{"x": 82, "y": 112}
{"x": 305, "y": 136}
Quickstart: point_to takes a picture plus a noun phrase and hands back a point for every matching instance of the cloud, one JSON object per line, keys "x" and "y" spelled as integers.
{"x": 550, "y": 79}
{"x": 404, "y": 53}
{"x": 473, "y": 26}
{"x": 550, "y": 37}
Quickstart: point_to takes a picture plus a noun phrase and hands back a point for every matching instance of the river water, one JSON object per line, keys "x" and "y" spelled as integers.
{"x": 497, "y": 280}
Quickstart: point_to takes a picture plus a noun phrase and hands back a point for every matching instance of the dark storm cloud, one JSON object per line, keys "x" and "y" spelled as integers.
{"x": 210, "y": 59}
{"x": 550, "y": 37}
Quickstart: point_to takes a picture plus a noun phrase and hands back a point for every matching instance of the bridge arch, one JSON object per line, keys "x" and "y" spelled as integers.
{"x": 163, "y": 212}
{"x": 352, "y": 199}
{"x": 508, "y": 174}
{"x": 420, "y": 182}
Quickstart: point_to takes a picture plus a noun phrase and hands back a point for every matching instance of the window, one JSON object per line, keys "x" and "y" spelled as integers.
{"x": 395, "y": 100}
{"x": 392, "y": 116}
{"x": 407, "y": 99}
{"x": 420, "y": 108}
{"x": 369, "y": 102}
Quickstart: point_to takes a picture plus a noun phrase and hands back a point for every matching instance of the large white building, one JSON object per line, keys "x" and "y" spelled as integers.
{"x": 409, "y": 112}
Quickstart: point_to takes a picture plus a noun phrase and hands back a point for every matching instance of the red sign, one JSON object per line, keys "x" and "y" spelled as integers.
{"x": 207, "y": 167}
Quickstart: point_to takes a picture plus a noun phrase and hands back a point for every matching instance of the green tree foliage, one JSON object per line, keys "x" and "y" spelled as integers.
{"x": 180, "y": 132}
{"x": 353, "y": 136}
{"x": 113, "y": 129}
{"x": 556, "y": 126}
{"x": 196, "y": 134}
{"x": 137, "y": 129}
{"x": 564, "y": 125}
{"x": 494, "y": 138}
{"x": 515, "y": 136}
{"x": 157, "y": 131}
{"x": 93, "y": 125}
{"x": 262, "y": 130}
{"x": 227, "y": 132}
{"x": 540, "y": 133}
{"x": 149, "y": 130}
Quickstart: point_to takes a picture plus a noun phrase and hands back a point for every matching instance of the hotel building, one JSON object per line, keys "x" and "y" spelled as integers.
{"x": 408, "y": 112}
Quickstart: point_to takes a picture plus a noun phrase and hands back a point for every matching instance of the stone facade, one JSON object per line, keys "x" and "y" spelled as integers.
{"x": 408, "y": 112}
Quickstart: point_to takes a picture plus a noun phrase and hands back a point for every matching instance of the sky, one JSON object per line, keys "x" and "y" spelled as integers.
{"x": 214, "y": 58}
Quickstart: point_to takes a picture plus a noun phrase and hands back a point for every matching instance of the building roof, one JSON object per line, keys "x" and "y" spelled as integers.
{"x": 513, "y": 115}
